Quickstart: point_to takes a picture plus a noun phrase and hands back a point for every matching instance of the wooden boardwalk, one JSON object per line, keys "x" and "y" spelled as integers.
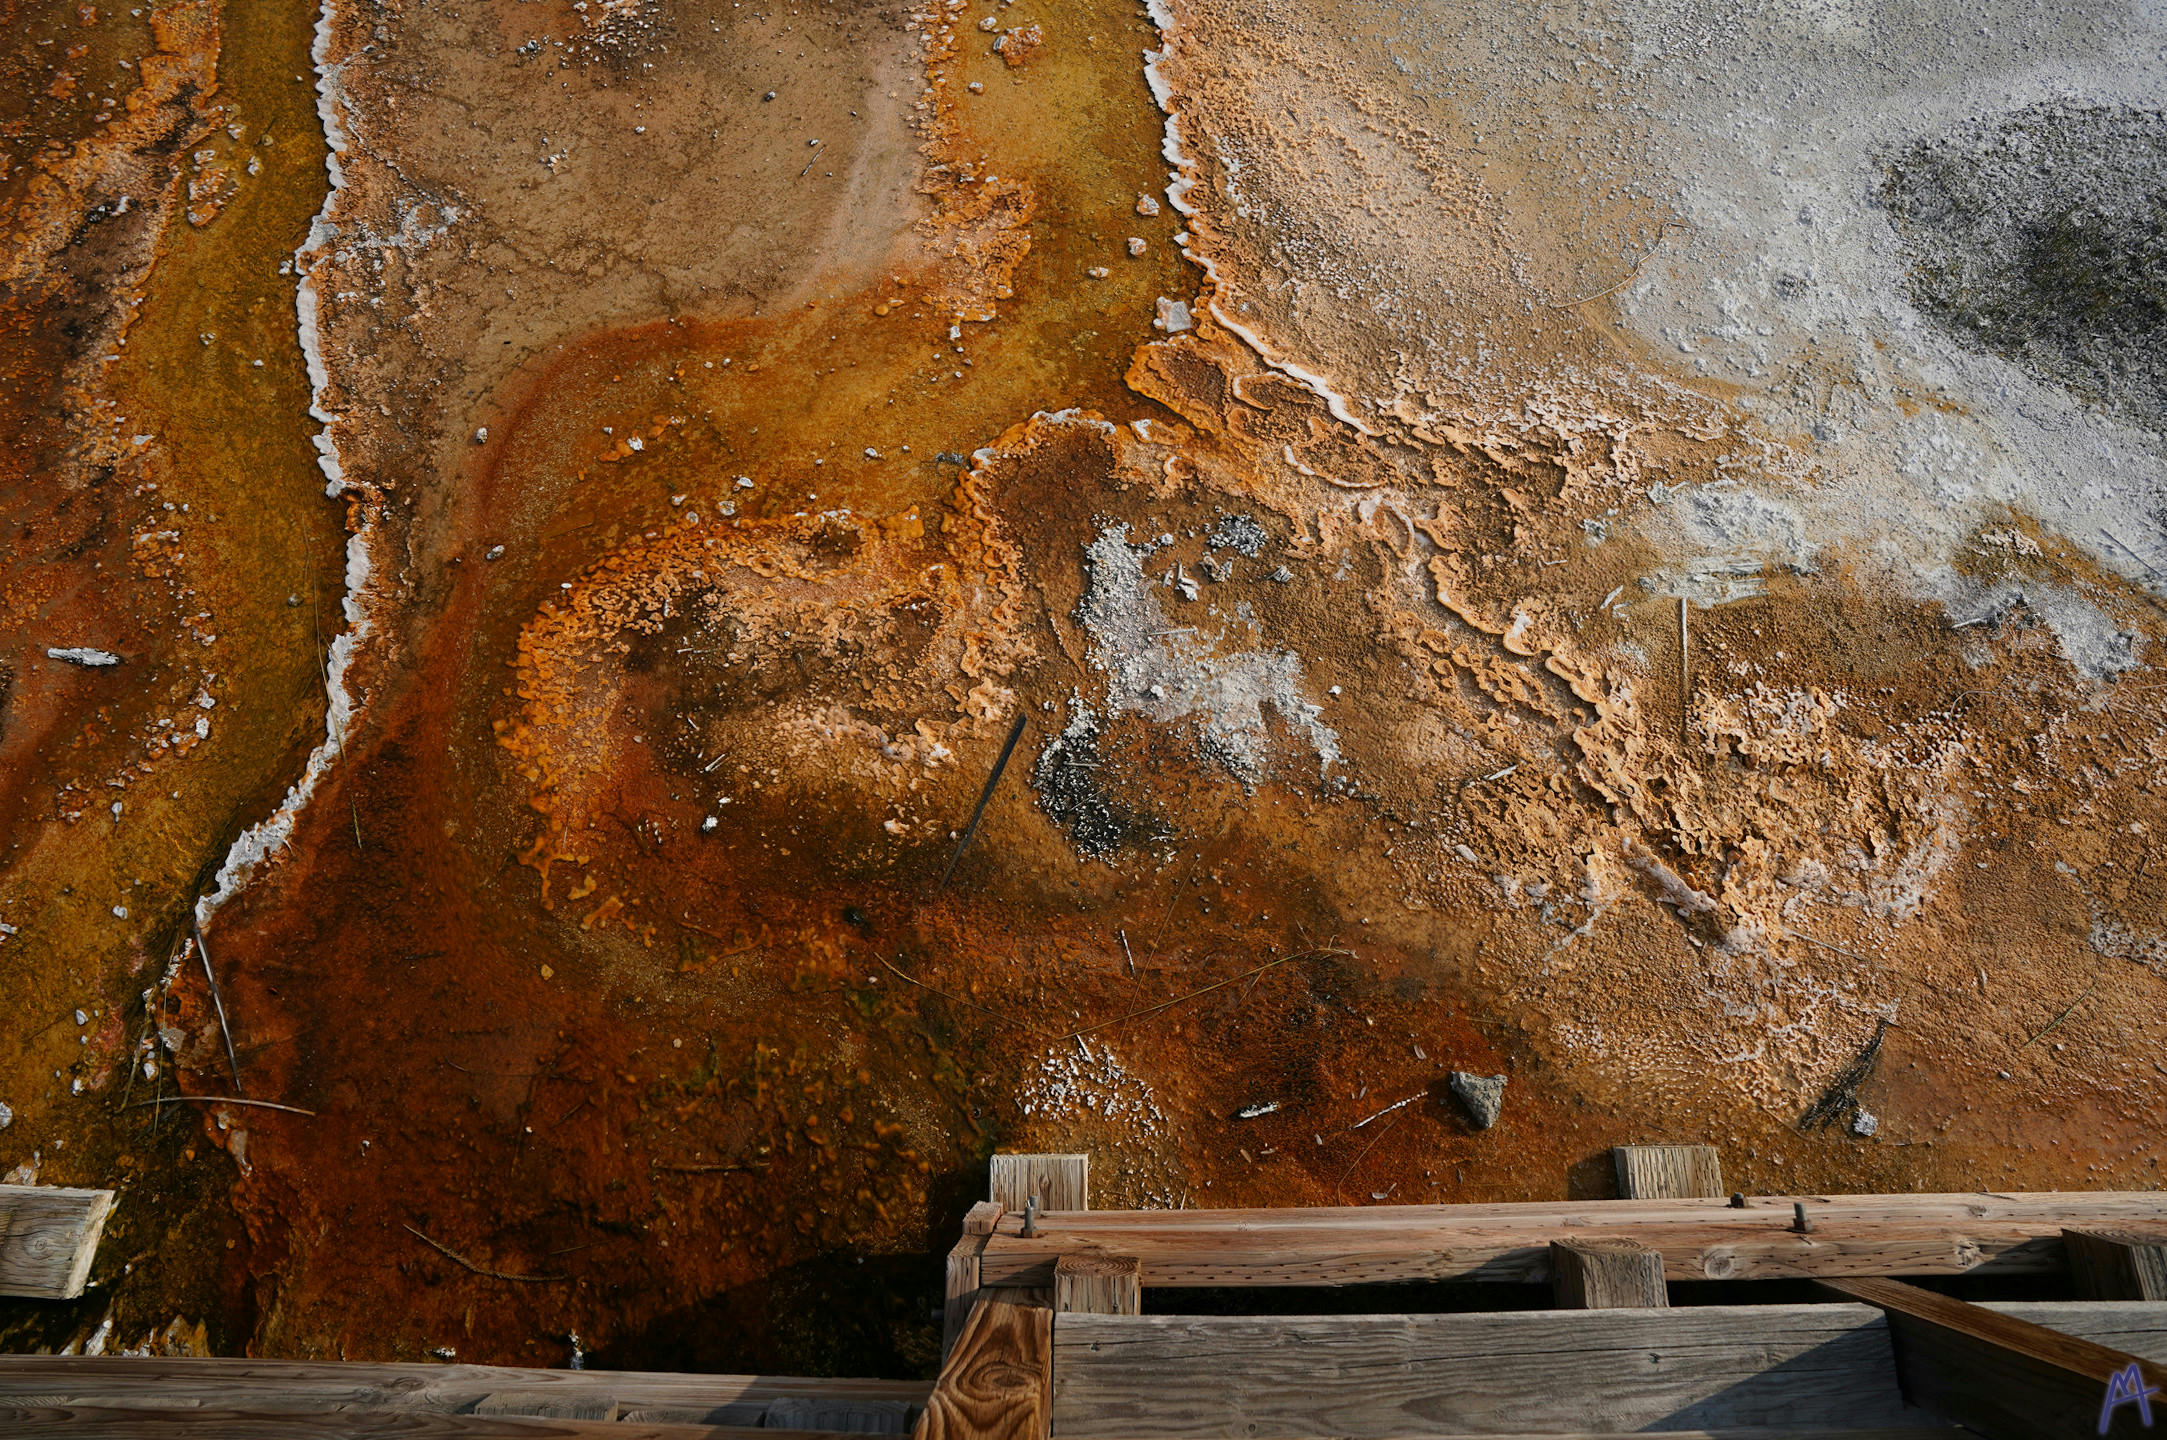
{"x": 1048, "y": 1335}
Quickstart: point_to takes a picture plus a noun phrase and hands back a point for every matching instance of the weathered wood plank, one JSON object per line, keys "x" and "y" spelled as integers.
{"x": 1381, "y": 1377}
{"x": 59, "y": 1422}
{"x": 1604, "y": 1274}
{"x": 981, "y": 1218}
{"x": 48, "y": 1237}
{"x": 549, "y": 1404}
{"x": 2117, "y": 1264}
{"x": 2138, "y": 1326}
{"x": 125, "y": 1381}
{"x": 1994, "y": 1372}
{"x": 1098, "y": 1285}
{"x": 1059, "y": 1182}
{"x": 1668, "y": 1172}
{"x": 2045, "y": 1210}
{"x": 1455, "y": 1252}
{"x": 1700, "y": 1239}
{"x": 998, "y": 1383}
{"x": 960, "y": 1287}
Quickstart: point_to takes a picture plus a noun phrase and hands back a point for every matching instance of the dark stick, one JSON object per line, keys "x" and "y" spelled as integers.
{"x": 218, "y": 1001}
{"x": 985, "y": 797}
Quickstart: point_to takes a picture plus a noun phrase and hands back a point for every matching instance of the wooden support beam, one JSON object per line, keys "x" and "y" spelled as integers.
{"x": 1997, "y": 1374}
{"x": 1605, "y": 1274}
{"x": 1668, "y": 1172}
{"x": 960, "y": 1287}
{"x": 1059, "y": 1182}
{"x": 547, "y": 1404}
{"x": 998, "y": 1382}
{"x": 108, "y": 1383}
{"x": 166, "y": 1422}
{"x": 1099, "y": 1285}
{"x": 1396, "y": 1377}
{"x": 1699, "y": 1239}
{"x": 48, "y": 1237}
{"x": 2117, "y": 1264}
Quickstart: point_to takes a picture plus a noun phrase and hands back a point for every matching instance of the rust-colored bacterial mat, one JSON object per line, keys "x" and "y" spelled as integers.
{"x": 1546, "y": 550}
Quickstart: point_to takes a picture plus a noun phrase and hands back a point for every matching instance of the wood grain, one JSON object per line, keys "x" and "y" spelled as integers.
{"x": 2140, "y": 1327}
{"x": 1376, "y": 1377}
{"x": 998, "y": 1383}
{"x": 1995, "y": 1372}
{"x": 1699, "y": 1239}
{"x": 1668, "y": 1172}
{"x": 960, "y": 1287}
{"x": 1060, "y": 1182}
{"x": 1605, "y": 1274}
{"x": 48, "y": 1237}
{"x": 58, "y": 1422}
{"x": 2117, "y": 1264}
{"x": 1098, "y": 1285}
{"x": 124, "y": 1381}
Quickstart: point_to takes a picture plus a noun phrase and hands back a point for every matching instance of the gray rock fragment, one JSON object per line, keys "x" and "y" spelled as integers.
{"x": 1482, "y": 1096}
{"x": 82, "y": 655}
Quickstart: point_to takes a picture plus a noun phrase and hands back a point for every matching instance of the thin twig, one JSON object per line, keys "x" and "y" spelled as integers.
{"x": 985, "y": 797}
{"x": 219, "y": 1100}
{"x": 1395, "y": 1105}
{"x": 1685, "y": 676}
{"x": 1204, "y": 990}
{"x": 955, "y": 999}
{"x": 1173, "y": 900}
{"x": 440, "y": 1246}
{"x": 1129, "y": 954}
{"x": 1374, "y": 1142}
{"x": 218, "y": 1001}
{"x": 2071, "y": 1010}
{"x": 1848, "y": 954}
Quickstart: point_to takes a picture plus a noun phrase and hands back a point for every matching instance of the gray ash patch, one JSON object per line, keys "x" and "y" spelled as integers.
{"x": 1239, "y": 533}
{"x": 2041, "y": 236}
{"x": 1066, "y": 779}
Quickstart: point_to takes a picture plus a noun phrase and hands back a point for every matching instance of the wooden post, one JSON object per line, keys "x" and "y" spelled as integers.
{"x": 998, "y": 1382}
{"x": 1607, "y": 1275}
{"x": 48, "y": 1237}
{"x": 2005, "y": 1378}
{"x": 2117, "y": 1264}
{"x": 1098, "y": 1285}
{"x": 1668, "y": 1172}
{"x": 1061, "y": 1182}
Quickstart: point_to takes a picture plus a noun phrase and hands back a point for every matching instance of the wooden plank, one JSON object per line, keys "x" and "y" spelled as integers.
{"x": 1098, "y": 1285}
{"x": 1700, "y": 1239}
{"x": 2138, "y": 1326}
{"x": 2044, "y": 1211}
{"x": 1449, "y": 1252}
{"x": 61, "y": 1422}
{"x": 1383, "y": 1377}
{"x": 1604, "y": 1274}
{"x": 1668, "y": 1172}
{"x": 125, "y": 1381}
{"x": 981, "y": 1218}
{"x": 2117, "y": 1264}
{"x": 1994, "y": 1372}
{"x": 1060, "y": 1182}
{"x": 48, "y": 1237}
{"x": 549, "y": 1404}
{"x": 998, "y": 1383}
{"x": 959, "y": 1288}
{"x": 855, "y": 1417}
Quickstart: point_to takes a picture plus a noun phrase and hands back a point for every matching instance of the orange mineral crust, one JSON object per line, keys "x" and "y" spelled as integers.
{"x": 1429, "y": 657}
